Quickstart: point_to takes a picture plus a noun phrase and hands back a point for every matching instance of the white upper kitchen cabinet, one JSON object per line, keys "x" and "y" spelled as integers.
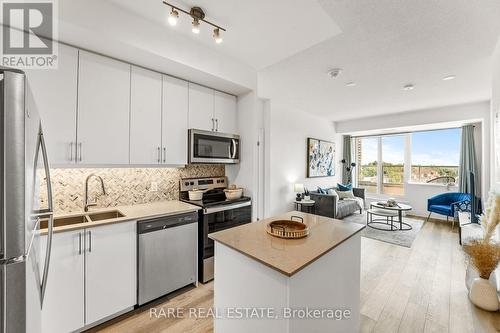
{"x": 53, "y": 92}
{"x": 110, "y": 280}
{"x": 201, "y": 107}
{"x": 225, "y": 113}
{"x": 146, "y": 116}
{"x": 63, "y": 309}
{"x": 103, "y": 110}
{"x": 175, "y": 121}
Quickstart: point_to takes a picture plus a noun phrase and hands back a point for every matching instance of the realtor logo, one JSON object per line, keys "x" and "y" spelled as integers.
{"x": 28, "y": 34}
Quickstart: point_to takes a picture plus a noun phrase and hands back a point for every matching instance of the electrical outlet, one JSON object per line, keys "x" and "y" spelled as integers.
{"x": 153, "y": 187}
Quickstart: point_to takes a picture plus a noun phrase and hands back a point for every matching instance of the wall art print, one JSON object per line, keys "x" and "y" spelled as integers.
{"x": 320, "y": 158}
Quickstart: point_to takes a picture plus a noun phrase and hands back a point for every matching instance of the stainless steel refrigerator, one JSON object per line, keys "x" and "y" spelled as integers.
{"x": 23, "y": 169}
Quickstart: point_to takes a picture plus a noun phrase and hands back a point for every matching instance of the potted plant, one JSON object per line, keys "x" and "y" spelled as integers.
{"x": 306, "y": 194}
{"x": 484, "y": 256}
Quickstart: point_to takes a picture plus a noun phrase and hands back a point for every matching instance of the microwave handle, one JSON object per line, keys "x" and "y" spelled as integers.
{"x": 233, "y": 145}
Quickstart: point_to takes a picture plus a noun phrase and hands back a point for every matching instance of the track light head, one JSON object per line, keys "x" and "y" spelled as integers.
{"x": 173, "y": 17}
{"x": 196, "y": 26}
{"x": 217, "y": 36}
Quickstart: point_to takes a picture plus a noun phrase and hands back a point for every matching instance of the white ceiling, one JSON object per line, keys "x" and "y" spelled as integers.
{"x": 384, "y": 45}
{"x": 259, "y": 32}
{"x": 380, "y": 44}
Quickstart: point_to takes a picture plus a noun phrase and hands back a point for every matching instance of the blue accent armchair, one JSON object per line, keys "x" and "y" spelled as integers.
{"x": 447, "y": 204}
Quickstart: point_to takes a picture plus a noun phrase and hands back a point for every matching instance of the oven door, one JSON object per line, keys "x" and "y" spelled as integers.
{"x": 221, "y": 218}
{"x": 211, "y": 147}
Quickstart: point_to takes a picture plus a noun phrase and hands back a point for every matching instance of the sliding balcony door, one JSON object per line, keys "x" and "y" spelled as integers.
{"x": 393, "y": 157}
{"x": 367, "y": 151}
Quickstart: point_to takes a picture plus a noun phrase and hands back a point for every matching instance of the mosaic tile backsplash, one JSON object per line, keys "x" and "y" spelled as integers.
{"x": 123, "y": 186}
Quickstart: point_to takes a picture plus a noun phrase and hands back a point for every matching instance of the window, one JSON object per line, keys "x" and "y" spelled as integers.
{"x": 384, "y": 161}
{"x": 366, "y": 159}
{"x": 435, "y": 156}
{"x": 393, "y": 158}
{"x": 384, "y": 172}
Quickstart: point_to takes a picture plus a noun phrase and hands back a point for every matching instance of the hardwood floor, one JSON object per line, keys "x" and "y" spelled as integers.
{"x": 421, "y": 289}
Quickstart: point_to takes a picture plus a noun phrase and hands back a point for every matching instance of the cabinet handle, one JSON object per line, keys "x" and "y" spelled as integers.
{"x": 71, "y": 151}
{"x": 216, "y": 125}
{"x": 164, "y": 154}
{"x": 158, "y": 154}
{"x": 80, "y": 151}
{"x": 79, "y": 243}
{"x": 213, "y": 124}
{"x": 90, "y": 241}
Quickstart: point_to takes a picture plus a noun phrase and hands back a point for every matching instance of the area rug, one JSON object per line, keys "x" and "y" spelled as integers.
{"x": 401, "y": 238}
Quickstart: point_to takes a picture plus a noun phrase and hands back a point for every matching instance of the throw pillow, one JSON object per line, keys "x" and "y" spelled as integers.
{"x": 345, "y": 195}
{"x": 342, "y": 187}
{"x": 325, "y": 190}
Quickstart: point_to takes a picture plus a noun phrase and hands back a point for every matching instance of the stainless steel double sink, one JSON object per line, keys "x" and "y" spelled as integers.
{"x": 83, "y": 218}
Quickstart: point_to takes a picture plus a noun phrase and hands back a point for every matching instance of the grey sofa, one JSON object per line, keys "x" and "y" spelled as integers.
{"x": 327, "y": 205}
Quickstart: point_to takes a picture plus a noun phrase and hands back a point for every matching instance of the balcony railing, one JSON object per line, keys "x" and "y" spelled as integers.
{"x": 434, "y": 173}
{"x": 393, "y": 180}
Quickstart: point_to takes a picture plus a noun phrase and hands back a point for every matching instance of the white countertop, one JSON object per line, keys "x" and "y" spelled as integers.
{"x": 133, "y": 212}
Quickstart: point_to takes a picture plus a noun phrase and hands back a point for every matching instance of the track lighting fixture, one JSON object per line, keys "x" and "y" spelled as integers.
{"x": 173, "y": 17}
{"x": 198, "y": 16}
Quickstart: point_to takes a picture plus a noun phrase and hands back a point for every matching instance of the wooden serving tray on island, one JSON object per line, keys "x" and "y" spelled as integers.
{"x": 288, "y": 228}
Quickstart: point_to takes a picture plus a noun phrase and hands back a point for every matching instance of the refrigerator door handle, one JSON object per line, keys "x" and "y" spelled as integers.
{"x": 50, "y": 229}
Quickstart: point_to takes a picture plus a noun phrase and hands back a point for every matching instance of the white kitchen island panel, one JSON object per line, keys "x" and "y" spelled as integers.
{"x": 245, "y": 286}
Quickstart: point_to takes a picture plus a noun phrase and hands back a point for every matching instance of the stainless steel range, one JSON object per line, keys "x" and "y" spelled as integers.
{"x": 216, "y": 213}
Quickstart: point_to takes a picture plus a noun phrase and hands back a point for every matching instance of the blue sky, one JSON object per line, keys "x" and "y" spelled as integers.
{"x": 440, "y": 147}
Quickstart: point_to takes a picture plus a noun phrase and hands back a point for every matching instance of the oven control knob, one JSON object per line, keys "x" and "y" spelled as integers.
{"x": 192, "y": 183}
{"x": 186, "y": 183}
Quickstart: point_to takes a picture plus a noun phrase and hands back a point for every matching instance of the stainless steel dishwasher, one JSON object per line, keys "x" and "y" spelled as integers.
{"x": 167, "y": 255}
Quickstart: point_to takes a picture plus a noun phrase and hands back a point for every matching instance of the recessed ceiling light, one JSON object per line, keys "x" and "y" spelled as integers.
{"x": 350, "y": 84}
{"x": 409, "y": 87}
{"x": 449, "y": 77}
{"x": 334, "y": 73}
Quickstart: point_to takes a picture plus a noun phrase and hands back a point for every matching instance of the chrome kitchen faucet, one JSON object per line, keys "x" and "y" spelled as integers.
{"x": 86, "y": 203}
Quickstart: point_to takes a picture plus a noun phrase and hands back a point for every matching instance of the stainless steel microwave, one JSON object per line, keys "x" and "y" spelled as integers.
{"x": 206, "y": 147}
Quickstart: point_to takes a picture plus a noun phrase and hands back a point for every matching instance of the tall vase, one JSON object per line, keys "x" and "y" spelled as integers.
{"x": 471, "y": 273}
{"x": 483, "y": 294}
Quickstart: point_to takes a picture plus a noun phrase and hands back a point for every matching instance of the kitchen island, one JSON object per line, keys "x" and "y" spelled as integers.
{"x": 268, "y": 284}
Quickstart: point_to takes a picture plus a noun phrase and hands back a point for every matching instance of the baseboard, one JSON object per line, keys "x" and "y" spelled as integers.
{"x": 433, "y": 219}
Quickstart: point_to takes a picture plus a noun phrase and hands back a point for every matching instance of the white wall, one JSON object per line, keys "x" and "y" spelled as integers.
{"x": 495, "y": 115}
{"x": 477, "y": 113}
{"x": 287, "y": 131}
{"x": 246, "y": 174}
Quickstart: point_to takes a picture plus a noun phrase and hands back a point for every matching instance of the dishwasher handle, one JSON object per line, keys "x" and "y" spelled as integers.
{"x": 165, "y": 222}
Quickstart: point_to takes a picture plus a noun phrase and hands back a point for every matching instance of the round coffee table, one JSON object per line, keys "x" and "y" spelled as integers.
{"x": 399, "y": 209}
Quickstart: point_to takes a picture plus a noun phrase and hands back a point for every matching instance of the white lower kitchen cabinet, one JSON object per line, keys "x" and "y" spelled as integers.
{"x": 110, "y": 279}
{"x": 62, "y": 309}
{"x": 92, "y": 276}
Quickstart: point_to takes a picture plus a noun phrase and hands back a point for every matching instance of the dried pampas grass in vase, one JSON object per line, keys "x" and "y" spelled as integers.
{"x": 484, "y": 255}
{"x": 491, "y": 217}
